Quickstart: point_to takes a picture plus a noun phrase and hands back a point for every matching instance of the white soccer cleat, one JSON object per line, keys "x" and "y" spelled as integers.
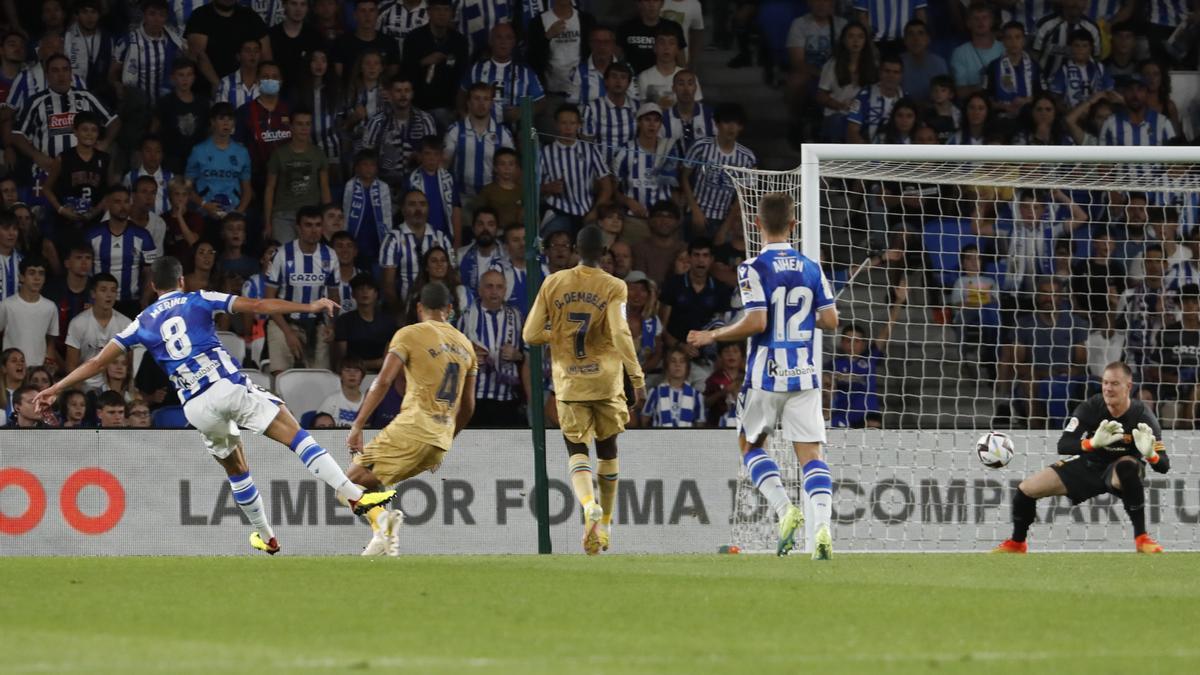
{"x": 591, "y": 528}
{"x": 392, "y": 524}
{"x": 378, "y": 544}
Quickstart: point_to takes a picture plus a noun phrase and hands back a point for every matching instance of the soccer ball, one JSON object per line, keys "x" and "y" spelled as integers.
{"x": 995, "y": 449}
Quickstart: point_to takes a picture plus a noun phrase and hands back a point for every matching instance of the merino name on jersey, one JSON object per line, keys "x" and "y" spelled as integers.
{"x": 791, "y": 289}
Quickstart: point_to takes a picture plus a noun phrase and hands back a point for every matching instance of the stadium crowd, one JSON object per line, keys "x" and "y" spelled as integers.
{"x": 363, "y": 148}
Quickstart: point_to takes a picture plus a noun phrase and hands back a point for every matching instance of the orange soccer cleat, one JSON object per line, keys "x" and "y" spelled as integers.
{"x": 1144, "y": 544}
{"x": 1010, "y": 546}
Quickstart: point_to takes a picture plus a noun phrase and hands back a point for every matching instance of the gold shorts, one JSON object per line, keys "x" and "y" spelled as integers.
{"x": 581, "y": 421}
{"x": 393, "y": 458}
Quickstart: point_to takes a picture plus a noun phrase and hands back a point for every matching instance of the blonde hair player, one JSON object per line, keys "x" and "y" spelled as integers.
{"x": 786, "y": 298}
{"x": 580, "y": 313}
{"x": 1111, "y": 437}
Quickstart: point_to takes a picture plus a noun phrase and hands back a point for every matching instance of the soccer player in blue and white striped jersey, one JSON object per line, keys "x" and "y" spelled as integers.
{"x": 402, "y": 248}
{"x": 144, "y": 57}
{"x": 1137, "y": 124}
{"x": 303, "y": 270}
{"x": 610, "y": 121}
{"x": 472, "y": 141}
{"x": 495, "y": 330}
{"x": 786, "y": 297}
{"x": 645, "y": 171}
{"x": 178, "y": 331}
{"x": 573, "y": 175}
{"x": 398, "y": 18}
{"x": 124, "y": 250}
{"x": 510, "y": 80}
{"x": 709, "y": 191}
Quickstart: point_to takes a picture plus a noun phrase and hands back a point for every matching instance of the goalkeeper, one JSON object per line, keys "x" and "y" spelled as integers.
{"x": 1124, "y": 437}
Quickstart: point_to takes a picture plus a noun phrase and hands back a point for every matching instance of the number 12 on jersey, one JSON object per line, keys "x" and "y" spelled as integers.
{"x": 788, "y": 319}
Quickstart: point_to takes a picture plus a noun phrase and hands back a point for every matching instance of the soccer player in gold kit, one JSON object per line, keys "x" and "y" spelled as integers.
{"x": 439, "y": 369}
{"x": 580, "y": 313}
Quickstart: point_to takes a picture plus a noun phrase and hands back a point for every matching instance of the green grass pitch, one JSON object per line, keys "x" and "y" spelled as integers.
{"x": 1064, "y": 613}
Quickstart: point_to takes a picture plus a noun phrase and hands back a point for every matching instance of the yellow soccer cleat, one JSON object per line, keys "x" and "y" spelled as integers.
{"x": 788, "y": 524}
{"x": 370, "y": 500}
{"x": 270, "y": 547}
{"x": 605, "y": 535}
{"x": 591, "y": 528}
{"x": 823, "y": 544}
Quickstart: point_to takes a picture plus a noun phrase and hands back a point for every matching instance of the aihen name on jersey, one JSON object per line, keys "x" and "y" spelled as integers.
{"x": 581, "y": 296}
{"x": 788, "y": 264}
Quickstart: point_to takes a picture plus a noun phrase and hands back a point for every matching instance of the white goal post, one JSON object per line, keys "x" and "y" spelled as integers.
{"x": 1065, "y": 239}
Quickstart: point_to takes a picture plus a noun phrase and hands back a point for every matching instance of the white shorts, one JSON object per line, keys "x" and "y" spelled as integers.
{"x": 761, "y": 412}
{"x": 219, "y": 410}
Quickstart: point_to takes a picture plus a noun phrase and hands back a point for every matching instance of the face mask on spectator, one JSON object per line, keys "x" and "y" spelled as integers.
{"x": 269, "y": 87}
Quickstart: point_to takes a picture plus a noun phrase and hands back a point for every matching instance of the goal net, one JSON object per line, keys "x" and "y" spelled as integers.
{"x": 985, "y": 289}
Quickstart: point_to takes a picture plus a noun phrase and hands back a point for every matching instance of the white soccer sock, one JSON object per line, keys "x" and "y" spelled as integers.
{"x": 818, "y": 485}
{"x": 251, "y": 502}
{"x": 822, "y": 511}
{"x": 321, "y": 465}
{"x": 764, "y": 473}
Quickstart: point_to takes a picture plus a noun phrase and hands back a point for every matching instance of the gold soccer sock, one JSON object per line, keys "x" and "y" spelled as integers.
{"x": 580, "y": 467}
{"x": 606, "y": 471}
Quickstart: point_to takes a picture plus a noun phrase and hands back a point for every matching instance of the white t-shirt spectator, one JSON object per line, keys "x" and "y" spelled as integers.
{"x": 654, "y": 85}
{"x": 87, "y": 335}
{"x": 829, "y": 83}
{"x": 341, "y": 409}
{"x": 26, "y": 325}
{"x": 564, "y": 51}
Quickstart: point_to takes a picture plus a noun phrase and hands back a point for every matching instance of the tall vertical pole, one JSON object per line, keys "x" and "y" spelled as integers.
{"x": 530, "y": 199}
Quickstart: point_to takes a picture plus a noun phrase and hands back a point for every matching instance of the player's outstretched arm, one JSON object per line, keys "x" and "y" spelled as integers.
{"x": 375, "y": 393}
{"x": 246, "y": 305}
{"x": 93, "y": 366}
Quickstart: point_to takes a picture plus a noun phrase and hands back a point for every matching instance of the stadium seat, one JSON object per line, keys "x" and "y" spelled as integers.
{"x": 169, "y": 417}
{"x": 258, "y": 377}
{"x": 304, "y": 389}
{"x": 367, "y": 380}
{"x": 233, "y": 343}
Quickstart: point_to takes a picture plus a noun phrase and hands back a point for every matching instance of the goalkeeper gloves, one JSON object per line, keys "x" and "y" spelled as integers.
{"x": 1143, "y": 438}
{"x": 1105, "y": 435}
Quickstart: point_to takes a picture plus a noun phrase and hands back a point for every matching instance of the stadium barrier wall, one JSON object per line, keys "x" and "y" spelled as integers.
{"x": 157, "y": 492}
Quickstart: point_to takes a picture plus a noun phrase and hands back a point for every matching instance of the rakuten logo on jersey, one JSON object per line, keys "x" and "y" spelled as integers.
{"x": 275, "y": 135}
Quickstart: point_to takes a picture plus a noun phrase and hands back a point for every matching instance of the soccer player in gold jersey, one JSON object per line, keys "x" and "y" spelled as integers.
{"x": 580, "y": 313}
{"x": 439, "y": 368}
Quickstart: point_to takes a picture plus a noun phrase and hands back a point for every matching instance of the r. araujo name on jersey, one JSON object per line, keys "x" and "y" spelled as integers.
{"x": 791, "y": 289}
{"x": 179, "y": 333}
